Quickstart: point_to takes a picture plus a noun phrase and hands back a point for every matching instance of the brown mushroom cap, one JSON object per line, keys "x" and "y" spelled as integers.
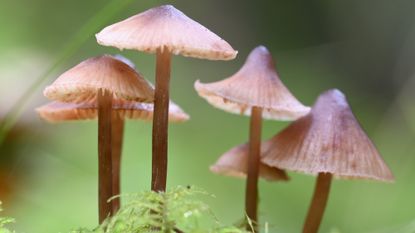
{"x": 166, "y": 27}
{"x": 256, "y": 84}
{"x": 58, "y": 112}
{"x": 328, "y": 140}
{"x": 235, "y": 163}
{"x": 81, "y": 83}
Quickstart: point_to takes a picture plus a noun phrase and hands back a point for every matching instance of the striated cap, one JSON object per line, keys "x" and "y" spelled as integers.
{"x": 235, "y": 163}
{"x": 81, "y": 83}
{"x": 256, "y": 84}
{"x": 328, "y": 140}
{"x": 166, "y": 27}
{"x": 58, "y": 112}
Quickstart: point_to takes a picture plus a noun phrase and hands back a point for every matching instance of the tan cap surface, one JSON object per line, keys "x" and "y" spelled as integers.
{"x": 328, "y": 140}
{"x": 81, "y": 83}
{"x": 235, "y": 163}
{"x": 166, "y": 27}
{"x": 55, "y": 112}
{"x": 58, "y": 112}
{"x": 256, "y": 84}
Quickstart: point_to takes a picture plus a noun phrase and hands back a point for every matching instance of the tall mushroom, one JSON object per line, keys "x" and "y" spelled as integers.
{"x": 164, "y": 30}
{"x": 256, "y": 91}
{"x": 57, "y": 112}
{"x": 101, "y": 80}
{"x": 327, "y": 142}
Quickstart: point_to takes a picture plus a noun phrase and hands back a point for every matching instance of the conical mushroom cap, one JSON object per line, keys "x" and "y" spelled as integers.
{"x": 82, "y": 82}
{"x": 235, "y": 163}
{"x": 58, "y": 112}
{"x": 166, "y": 27}
{"x": 328, "y": 140}
{"x": 256, "y": 84}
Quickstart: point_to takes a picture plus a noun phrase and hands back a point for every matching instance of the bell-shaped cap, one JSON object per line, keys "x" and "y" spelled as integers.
{"x": 82, "y": 82}
{"x": 165, "y": 27}
{"x": 235, "y": 163}
{"x": 256, "y": 84}
{"x": 328, "y": 140}
{"x": 56, "y": 112}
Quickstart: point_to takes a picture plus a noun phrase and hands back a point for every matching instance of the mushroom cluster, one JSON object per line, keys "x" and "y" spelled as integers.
{"x": 325, "y": 140}
{"x": 108, "y": 88}
{"x": 257, "y": 91}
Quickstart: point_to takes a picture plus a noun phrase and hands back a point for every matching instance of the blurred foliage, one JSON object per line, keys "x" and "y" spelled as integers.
{"x": 4, "y": 221}
{"x": 78, "y": 40}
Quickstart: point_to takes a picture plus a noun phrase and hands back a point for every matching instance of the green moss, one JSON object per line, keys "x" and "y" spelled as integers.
{"x": 177, "y": 210}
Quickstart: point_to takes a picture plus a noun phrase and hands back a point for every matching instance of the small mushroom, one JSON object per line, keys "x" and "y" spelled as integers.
{"x": 57, "y": 112}
{"x": 164, "y": 30}
{"x": 256, "y": 91}
{"x": 327, "y": 142}
{"x": 235, "y": 163}
{"x": 101, "y": 80}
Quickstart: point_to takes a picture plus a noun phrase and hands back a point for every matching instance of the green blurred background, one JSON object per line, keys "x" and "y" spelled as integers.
{"x": 366, "y": 48}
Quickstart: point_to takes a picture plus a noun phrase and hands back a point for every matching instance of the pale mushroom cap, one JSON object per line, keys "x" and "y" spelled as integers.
{"x": 256, "y": 84}
{"x": 56, "y": 112}
{"x": 82, "y": 82}
{"x": 235, "y": 163}
{"x": 328, "y": 140}
{"x": 166, "y": 27}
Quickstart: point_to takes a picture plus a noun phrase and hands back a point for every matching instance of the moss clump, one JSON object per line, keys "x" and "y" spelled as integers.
{"x": 175, "y": 211}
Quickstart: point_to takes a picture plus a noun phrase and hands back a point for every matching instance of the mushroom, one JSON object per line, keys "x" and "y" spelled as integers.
{"x": 327, "y": 142}
{"x": 235, "y": 163}
{"x": 256, "y": 91}
{"x": 56, "y": 112}
{"x": 101, "y": 80}
{"x": 164, "y": 30}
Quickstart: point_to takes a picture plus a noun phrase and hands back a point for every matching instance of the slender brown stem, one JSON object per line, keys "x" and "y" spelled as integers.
{"x": 318, "y": 204}
{"x": 160, "y": 121}
{"x": 117, "y": 139}
{"x": 104, "y": 153}
{"x": 251, "y": 198}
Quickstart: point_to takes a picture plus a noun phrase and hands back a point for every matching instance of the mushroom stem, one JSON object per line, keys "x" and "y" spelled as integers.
{"x": 251, "y": 198}
{"x": 160, "y": 121}
{"x": 104, "y": 153}
{"x": 318, "y": 204}
{"x": 117, "y": 139}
